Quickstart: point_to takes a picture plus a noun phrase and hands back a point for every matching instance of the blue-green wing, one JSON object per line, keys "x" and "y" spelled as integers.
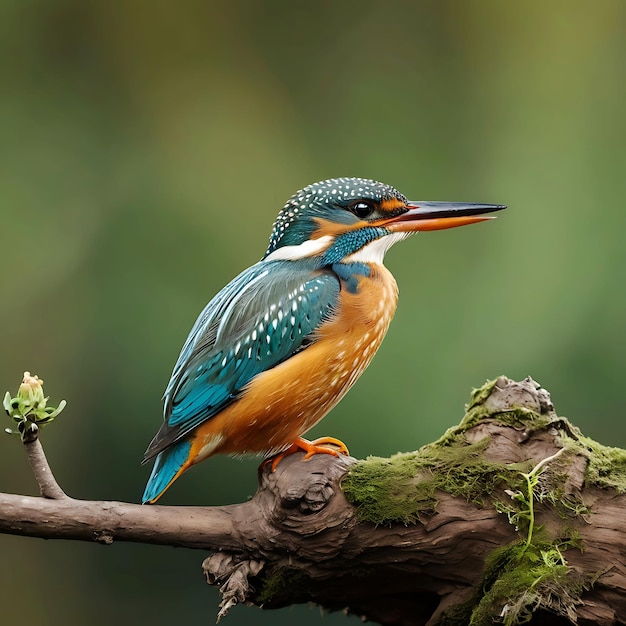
{"x": 263, "y": 317}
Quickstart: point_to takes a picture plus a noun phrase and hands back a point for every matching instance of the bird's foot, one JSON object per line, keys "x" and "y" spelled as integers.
{"x": 319, "y": 446}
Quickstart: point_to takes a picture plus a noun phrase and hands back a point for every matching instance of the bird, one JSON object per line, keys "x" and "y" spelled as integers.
{"x": 279, "y": 346}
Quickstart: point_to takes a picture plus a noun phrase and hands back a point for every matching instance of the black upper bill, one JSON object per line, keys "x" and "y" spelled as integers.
{"x": 431, "y": 210}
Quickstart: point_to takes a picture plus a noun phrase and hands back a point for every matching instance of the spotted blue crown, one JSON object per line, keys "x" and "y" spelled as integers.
{"x": 327, "y": 199}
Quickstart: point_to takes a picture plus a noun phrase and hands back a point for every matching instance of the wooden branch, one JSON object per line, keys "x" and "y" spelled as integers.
{"x": 440, "y": 536}
{"x": 48, "y": 486}
{"x": 209, "y": 528}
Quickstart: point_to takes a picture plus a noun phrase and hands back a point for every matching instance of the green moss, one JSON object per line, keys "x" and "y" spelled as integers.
{"x": 607, "y": 466}
{"x": 279, "y": 582}
{"x": 497, "y": 561}
{"x": 480, "y": 394}
{"x": 521, "y": 580}
{"x": 476, "y": 412}
{"x": 404, "y": 487}
{"x": 526, "y": 576}
{"x": 389, "y": 490}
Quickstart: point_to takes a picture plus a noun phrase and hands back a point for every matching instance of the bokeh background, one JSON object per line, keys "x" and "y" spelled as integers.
{"x": 146, "y": 148}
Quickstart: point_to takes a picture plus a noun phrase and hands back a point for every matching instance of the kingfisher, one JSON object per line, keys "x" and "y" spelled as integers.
{"x": 277, "y": 348}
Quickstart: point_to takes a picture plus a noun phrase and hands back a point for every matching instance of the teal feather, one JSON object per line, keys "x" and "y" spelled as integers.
{"x": 260, "y": 319}
{"x": 166, "y": 466}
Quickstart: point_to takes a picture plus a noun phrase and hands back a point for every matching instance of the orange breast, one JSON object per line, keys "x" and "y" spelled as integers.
{"x": 286, "y": 401}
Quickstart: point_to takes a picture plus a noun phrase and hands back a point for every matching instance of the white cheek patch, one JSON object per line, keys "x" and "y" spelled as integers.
{"x": 302, "y": 251}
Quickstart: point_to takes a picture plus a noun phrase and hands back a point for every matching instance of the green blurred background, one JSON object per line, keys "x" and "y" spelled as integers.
{"x": 146, "y": 149}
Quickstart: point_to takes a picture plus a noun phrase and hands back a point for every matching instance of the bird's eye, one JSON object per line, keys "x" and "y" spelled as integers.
{"x": 362, "y": 209}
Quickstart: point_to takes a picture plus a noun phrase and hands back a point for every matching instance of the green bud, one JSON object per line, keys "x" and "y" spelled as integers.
{"x": 28, "y": 409}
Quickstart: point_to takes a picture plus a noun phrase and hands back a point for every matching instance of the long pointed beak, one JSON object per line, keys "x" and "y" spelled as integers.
{"x": 440, "y": 215}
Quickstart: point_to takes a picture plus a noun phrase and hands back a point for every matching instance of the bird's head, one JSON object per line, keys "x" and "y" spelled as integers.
{"x": 358, "y": 219}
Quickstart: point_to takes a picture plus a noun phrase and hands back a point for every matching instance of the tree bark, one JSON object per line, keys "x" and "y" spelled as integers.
{"x": 511, "y": 516}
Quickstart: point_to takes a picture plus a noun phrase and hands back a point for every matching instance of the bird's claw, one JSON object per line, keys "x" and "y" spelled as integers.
{"x": 320, "y": 446}
{"x": 310, "y": 448}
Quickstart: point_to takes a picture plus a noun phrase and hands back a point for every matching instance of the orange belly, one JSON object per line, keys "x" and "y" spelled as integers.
{"x": 284, "y": 402}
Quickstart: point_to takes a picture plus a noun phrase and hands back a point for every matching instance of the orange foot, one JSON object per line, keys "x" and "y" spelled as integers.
{"x": 319, "y": 446}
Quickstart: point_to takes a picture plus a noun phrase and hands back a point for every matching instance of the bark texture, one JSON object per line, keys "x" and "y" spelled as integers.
{"x": 511, "y": 516}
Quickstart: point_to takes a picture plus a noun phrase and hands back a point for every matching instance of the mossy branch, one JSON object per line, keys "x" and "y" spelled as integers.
{"x": 511, "y": 517}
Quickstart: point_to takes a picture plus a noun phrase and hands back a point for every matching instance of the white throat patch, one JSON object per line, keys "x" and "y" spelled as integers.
{"x": 374, "y": 251}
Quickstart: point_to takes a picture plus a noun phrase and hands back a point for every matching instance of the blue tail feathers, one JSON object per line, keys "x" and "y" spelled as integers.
{"x": 167, "y": 464}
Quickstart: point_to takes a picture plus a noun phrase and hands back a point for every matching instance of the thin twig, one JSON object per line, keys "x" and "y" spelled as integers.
{"x": 48, "y": 485}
